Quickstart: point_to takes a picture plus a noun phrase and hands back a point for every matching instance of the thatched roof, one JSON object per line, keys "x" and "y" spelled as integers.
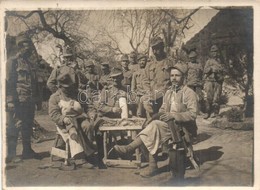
{"x": 229, "y": 26}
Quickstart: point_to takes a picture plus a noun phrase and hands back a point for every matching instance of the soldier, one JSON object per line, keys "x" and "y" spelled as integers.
{"x": 179, "y": 109}
{"x": 113, "y": 99}
{"x": 126, "y": 83}
{"x": 72, "y": 65}
{"x": 22, "y": 94}
{"x": 133, "y": 65}
{"x": 158, "y": 76}
{"x": 65, "y": 110}
{"x": 213, "y": 77}
{"x": 195, "y": 75}
{"x": 140, "y": 84}
{"x": 90, "y": 74}
{"x": 105, "y": 79}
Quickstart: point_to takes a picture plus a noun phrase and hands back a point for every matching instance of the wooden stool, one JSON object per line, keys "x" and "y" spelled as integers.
{"x": 60, "y": 152}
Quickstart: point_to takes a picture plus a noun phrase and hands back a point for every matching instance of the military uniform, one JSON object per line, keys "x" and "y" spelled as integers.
{"x": 22, "y": 91}
{"x": 140, "y": 86}
{"x": 194, "y": 77}
{"x": 213, "y": 80}
{"x": 133, "y": 67}
{"x": 67, "y": 65}
{"x": 180, "y": 104}
{"x": 114, "y": 97}
{"x": 159, "y": 77}
{"x": 105, "y": 79}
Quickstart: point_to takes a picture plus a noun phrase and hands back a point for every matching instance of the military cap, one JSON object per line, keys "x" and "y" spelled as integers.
{"x": 132, "y": 54}
{"x": 214, "y": 48}
{"x": 89, "y": 63}
{"x": 65, "y": 78}
{"x": 104, "y": 63}
{"x": 193, "y": 54}
{"x": 183, "y": 68}
{"x": 124, "y": 57}
{"x": 156, "y": 41}
{"x": 116, "y": 72}
{"x": 22, "y": 38}
{"x": 67, "y": 51}
{"x": 141, "y": 55}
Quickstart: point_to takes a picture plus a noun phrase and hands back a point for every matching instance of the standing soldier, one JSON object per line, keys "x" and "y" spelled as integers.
{"x": 195, "y": 75}
{"x": 133, "y": 66}
{"x": 126, "y": 72}
{"x": 140, "y": 83}
{"x": 105, "y": 79}
{"x": 22, "y": 92}
{"x": 70, "y": 64}
{"x": 158, "y": 76}
{"x": 90, "y": 74}
{"x": 213, "y": 77}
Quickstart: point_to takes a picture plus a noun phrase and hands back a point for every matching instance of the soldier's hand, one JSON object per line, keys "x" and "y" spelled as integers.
{"x": 66, "y": 121}
{"x": 116, "y": 110}
{"x": 166, "y": 117}
{"x": 10, "y": 107}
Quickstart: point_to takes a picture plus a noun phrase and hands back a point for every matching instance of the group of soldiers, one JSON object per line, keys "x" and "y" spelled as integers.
{"x": 164, "y": 92}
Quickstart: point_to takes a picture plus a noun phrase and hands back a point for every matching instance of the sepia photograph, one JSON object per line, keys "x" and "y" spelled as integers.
{"x": 141, "y": 96}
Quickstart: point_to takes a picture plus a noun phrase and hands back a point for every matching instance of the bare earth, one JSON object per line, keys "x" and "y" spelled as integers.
{"x": 226, "y": 156}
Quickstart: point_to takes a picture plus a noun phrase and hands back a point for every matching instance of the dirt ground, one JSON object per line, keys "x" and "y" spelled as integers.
{"x": 226, "y": 158}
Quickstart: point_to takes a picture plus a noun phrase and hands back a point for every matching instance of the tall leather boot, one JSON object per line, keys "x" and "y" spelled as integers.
{"x": 207, "y": 109}
{"x": 28, "y": 152}
{"x": 177, "y": 164}
{"x": 100, "y": 149}
{"x": 215, "y": 108}
{"x": 11, "y": 150}
{"x": 128, "y": 149}
{"x": 152, "y": 168}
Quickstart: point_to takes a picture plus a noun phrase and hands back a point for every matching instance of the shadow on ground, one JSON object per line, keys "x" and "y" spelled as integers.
{"x": 209, "y": 154}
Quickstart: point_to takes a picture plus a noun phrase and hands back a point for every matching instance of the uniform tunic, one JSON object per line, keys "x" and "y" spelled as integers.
{"x": 109, "y": 99}
{"x": 52, "y": 81}
{"x": 213, "y": 77}
{"x": 21, "y": 90}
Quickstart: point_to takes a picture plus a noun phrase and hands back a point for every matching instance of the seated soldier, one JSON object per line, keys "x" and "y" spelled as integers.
{"x": 113, "y": 98}
{"x": 64, "y": 110}
{"x": 179, "y": 108}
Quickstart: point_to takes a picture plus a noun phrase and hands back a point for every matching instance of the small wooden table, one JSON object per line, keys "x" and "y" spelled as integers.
{"x": 132, "y": 130}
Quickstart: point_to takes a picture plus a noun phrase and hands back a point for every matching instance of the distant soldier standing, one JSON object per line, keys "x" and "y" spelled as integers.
{"x": 140, "y": 83}
{"x": 126, "y": 72}
{"x": 195, "y": 75}
{"x": 22, "y": 93}
{"x": 213, "y": 77}
{"x": 90, "y": 74}
{"x": 133, "y": 63}
{"x": 105, "y": 79}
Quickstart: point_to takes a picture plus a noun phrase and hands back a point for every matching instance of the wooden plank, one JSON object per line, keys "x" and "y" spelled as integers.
{"x": 58, "y": 152}
{"x": 122, "y": 163}
{"x": 120, "y": 128}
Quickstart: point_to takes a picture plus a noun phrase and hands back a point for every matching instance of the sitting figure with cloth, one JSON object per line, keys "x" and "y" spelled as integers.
{"x": 69, "y": 116}
{"x": 175, "y": 122}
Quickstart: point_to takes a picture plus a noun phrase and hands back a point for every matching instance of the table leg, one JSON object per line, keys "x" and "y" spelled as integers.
{"x": 137, "y": 151}
{"x": 105, "y": 145}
